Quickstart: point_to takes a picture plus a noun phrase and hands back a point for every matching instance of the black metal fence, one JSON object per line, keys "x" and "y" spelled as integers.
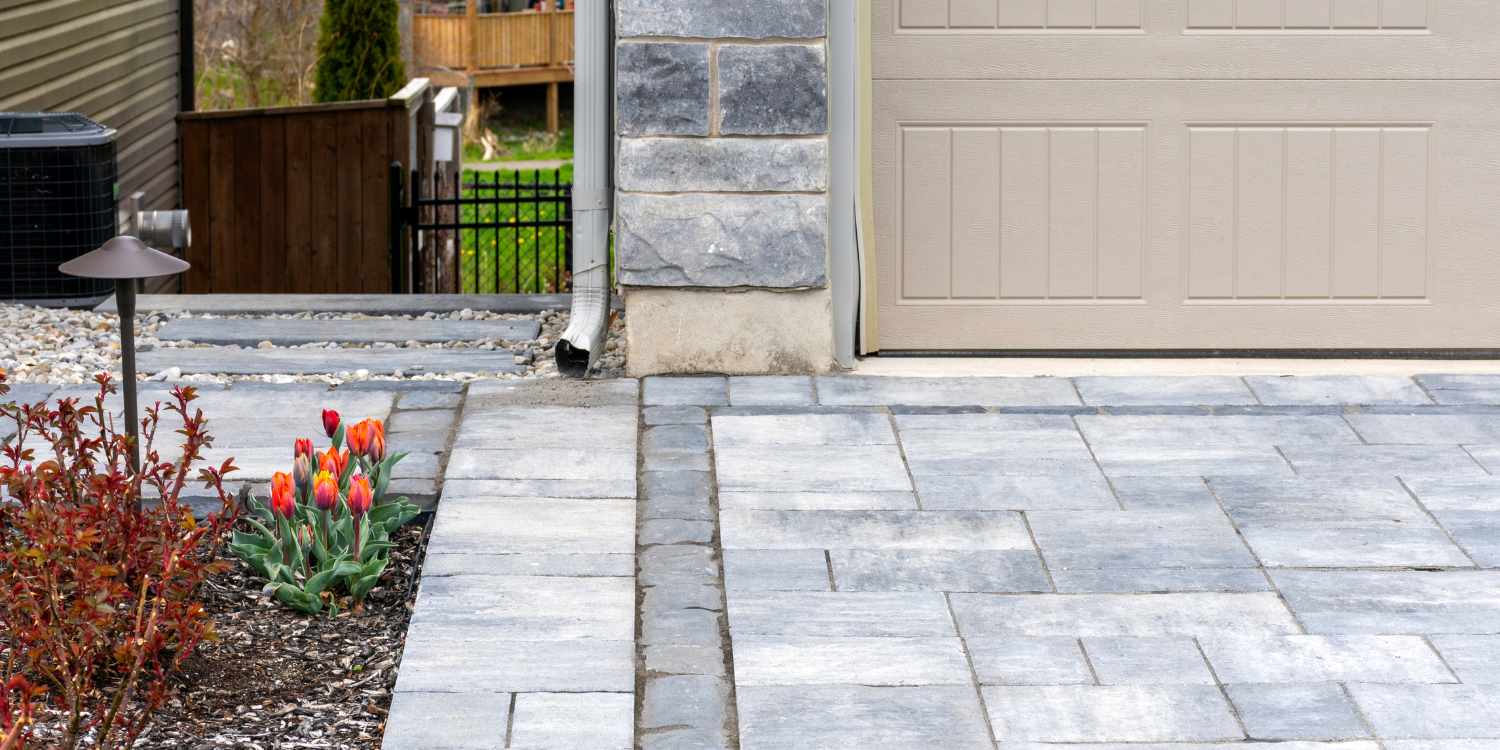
{"x": 487, "y": 236}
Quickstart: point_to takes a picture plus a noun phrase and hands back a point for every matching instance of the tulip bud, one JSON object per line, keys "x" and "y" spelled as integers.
{"x": 325, "y": 491}
{"x": 303, "y": 447}
{"x": 330, "y": 421}
{"x": 283, "y": 502}
{"x": 302, "y": 473}
{"x": 359, "y": 495}
{"x": 376, "y": 453}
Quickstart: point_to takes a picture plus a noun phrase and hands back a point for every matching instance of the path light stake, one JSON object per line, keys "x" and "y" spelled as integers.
{"x": 126, "y": 259}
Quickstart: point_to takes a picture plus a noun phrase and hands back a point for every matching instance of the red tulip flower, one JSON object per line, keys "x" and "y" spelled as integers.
{"x": 283, "y": 502}
{"x": 330, "y": 422}
{"x": 376, "y": 453}
{"x": 303, "y": 447}
{"x": 333, "y": 462}
{"x": 358, "y": 437}
{"x": 360, "y": 495}
{"x": 325, "y": 491}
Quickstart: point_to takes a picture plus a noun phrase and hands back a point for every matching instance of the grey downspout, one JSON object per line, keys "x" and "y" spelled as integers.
{"x": 583, "y": 341}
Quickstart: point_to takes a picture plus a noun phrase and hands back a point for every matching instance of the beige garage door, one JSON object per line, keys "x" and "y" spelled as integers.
{"x": 1167, "y": 174}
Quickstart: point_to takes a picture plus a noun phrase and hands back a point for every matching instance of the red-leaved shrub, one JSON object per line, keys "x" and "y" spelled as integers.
{"x": 98, "y": 596}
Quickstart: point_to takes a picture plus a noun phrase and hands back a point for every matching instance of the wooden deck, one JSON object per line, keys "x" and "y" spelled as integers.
{"x": 497, "y": 49}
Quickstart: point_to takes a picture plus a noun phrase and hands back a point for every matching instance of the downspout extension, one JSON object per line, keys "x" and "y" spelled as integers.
{"x": 583, "y": 341}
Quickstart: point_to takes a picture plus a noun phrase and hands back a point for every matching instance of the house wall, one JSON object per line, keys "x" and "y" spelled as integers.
{"x": 721, "y": 217}
{"x": 115, "y": 61}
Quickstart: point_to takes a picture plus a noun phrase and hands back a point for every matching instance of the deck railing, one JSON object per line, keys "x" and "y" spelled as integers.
{"x": 494, "y": 40}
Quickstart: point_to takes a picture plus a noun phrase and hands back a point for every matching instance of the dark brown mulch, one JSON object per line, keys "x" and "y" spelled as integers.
{"x": 278, "y": 678}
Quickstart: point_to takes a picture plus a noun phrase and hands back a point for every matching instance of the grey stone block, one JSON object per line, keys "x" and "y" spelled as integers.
{"x": 691, "y": 507}
{"x": 873, "y": 529}
{"x": 313, "y": 361}
{"x": 1188, "y": 460}
{"x": 1355, "y": 390}
{"x": 863, "y": 428}
{"x": 429, "y": 400}
{"x": 704, "y": 391}
{"x": 447, "y": 721}
{"x": 685, "y": 739}
{"x": 1459, "y": 382}
{"x": 437, "y": 564}
{"x": 938, "y": 570}
{"x": 1016, "y": 492}
{"x": 422, "y": 492}
{"x": 915, "y": 391}
{"x": 421, "y": 420}
{"x": 1206, "y": 430}
{"x": 30, "y": 393}
{"x": 284, "y": 332}
{"x": 812, "y": 468}
{"x": 1054, "y": 660}
{"x": 685, "y": 627}
{"x": 574, "y": 721}
{"x": 1405, "y": 460}
{"x": 1170, "y": 660}
{"x": 675, "y": 438}
{"x": 675, "y": 415}
{"x": 1410, "y": 429}
{"x": 783, "y": 717}
{"x": 1251, "y": 614}
{"x": 674, "y": 530}
{"x": 677, "y": 462}
{"x": 718, "y": 240}
{"x": 771, "y": 389}
{"x": 678, "y": 563}
{"x": 1122, "y": 713}
{"x": 1318, "y": 711}
{"x": 1156, "y": 390}
{"x": 707, "y": 660}
{"x": 818, "y": 500}
{"x": 775, "y": 570}
{"x": 669, "y": 596}
{"x": 661, "y": 483}
{"x": 1475, "y": 658}
{"x": 1430, "y": 711}
{"x": 1351, "y": 602}
{"x": 684, "y": 701}
{"x": 417, "y": 466}
{"x": 1157, "y": 580}
{"x": 1164, "y": 493}
{"x": 435, "y": 386}
{"x": 775, "y": 89}
{"x": 661, "y": 89}
{"x": 668, "y": 165}
{"x": 519, "y": 608}
{"x": 802, "y": 660}
{"x": 448, "y": 665}
{"x": 1325, "y": 658}
{"x": 838, "y": 614}
{"x": 1138, "y": 539}
{"x": 535, "y": 525}
{"x": 488, "y": 394}
{"x": 424, "y": 441}
{"x": 792, "y": 19}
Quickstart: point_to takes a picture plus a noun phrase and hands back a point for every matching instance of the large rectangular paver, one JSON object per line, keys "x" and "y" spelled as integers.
{"x": 754, "y": 390}
{"x": 1430, "y": 711}
{"x": 776, "y": 570}
{"x": 547, "y": 525}
{"x": 1312, "y": 711}
{"x": 867, "y": 428}
{"x": 1468, "y": 508}
{"x": 295, "y": 331}
{"x": 1164, "y": 493}
{"x": 804, "y": 660}
{"x": 1190, "y": 460}
{"x": 1403, "y": 460}
{"x": 1323, "y": 658}
{"x": 1121, "y": 615}
{"x": 804, "y": 468}
{"x": 573, "y": 721}
{"x": 873, "y": 529}
{"x": 918, "y": 391}
{"x": 1047, "y": 660}
{"x": 740, "y": 500}
{"x": 1392, "y": 602}
{"x": 938, "y": 570}
{"x": 313, "y": 361}
{"x": 1072, "y": 539}
{"x": 1103, "y": 431}
{"x": 794, "y": 717}
{"x": 1155, "y": 580}
{"x": 445, "y": 721}
{"x": 452, "y": 666}
{"x": 520, "y": 608}
{"x": 1158, "y": 390}
{"x": 1086, "y": 490}
{"x": 1356, "y": 390}
{"x": 838, "y": 613}
{"x": 1322, "y": 522}
{"x": 1434, "y": 429}
{"x": 1128, "y": 713}
{"x": 699, "y": 391}
{"x": 1474, "y": 658}
{"x": 1160, "y": 660}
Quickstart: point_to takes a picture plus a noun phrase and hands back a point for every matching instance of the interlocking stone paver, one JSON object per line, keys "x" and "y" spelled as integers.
{"x": 1468, "y": 508}
{"x": 573, "y": 721}
{"x": 448, "y": 665}
{"x": 552, "y": 525}
{"x": 655, "y": 415}
{"x": 674, "y": 530}
{"x": 1392, "y": 602}
{"x": 1084, "y": 491}
{"x": 1125, "y": 713}
{"x": 1460, "y": 382}
{"x": 544, "y": 463}
{"x": 1186, "y": 390}
{"x": 698, "y": 391}
{"x": 1189, "y": 460}
{"x": 677, "y": 563}
{"x": 428, "y": 400}
{"x": 1487, "y": 455}
{"x": 972, "y": 456}
{"x": 1050, "y": 660}
{"x": 679, "y": 506}
{"x": 811, "y": 468}
{"x": 1474, "y": 658}
{"x": 1356, "y": 390}
{"x": 1416, "y": 429}
{"x": 533, "y": 427}
{"x": 436, "y": 564}
{"x": 1117, "y": 615}
{"x": 1169, "y": 660}
{"x": 676, "y": 462}
{"x": 792, "y": 717}
{"x": 1319, "y": 658}
{"x": 1405, "y": 460}
{"x": 1430, "y": 711}
{"x": 803, "y": 660}
{"x": 518, "y": 608}
{"x": 776, "y": 570}
{"x": 750, "y": 390}
{"x": 410, "y": 421}
{"x": 1046, "y": 427}
{"x": 298, "y": 361}
{"x": 1348, "y": 522}
{"x": 677, "y": 438}
{"x": 1104, "y": 431}
{"x": 685, "y": 660}
{"x": 838, "y": 613}
{"x": 686, "y": 627}
{"x": 1150, "y": 580}
{"x": 873, "y": 529}
{"x": 445, "y": 721}
{"x": 670, "y": 596}
{"x": 818, "y": 500}
{"x": 937, "y": 570}
{"x": 1317, "y": 711}
{"x": 1164, "y": 493}
{"x": 1138, "y": 539}
{"x": 863, "y": 428}
{"x": 695, "y": 483}
{"x": 999, "y": 391}
{"x": 684, "y": 700}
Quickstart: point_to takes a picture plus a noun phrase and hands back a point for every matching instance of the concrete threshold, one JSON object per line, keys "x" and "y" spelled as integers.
{"x": 1039, "y": 366}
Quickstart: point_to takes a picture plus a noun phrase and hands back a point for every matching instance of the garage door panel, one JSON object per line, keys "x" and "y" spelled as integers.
{"x": 1309, "y": 212}
{"x": 976, "y": 213}
{"x": 926, "y": 212}
{"x": 1122, "y": 221}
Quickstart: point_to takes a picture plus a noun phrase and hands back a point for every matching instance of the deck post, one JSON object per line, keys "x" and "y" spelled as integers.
{"x": 552, "y": 108}
{"x": 471, "y": 24}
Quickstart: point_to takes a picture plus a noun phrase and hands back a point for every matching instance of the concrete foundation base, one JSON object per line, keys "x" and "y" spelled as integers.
{"x": 749, "y": 332}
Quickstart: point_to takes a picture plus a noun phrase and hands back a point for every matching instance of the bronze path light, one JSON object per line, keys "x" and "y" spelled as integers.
{"x": 126, "y": 259}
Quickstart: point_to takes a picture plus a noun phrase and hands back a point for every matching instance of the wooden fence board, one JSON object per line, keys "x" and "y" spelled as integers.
{"x": 221, "y": 204}
{"x": 375, "y": 211}
{"x": 247, "y": 203}
{"x": 195, "y": 172}
{"x": 351, "y": 207}
{"x": 273, "y": 205}
{"x": 325, "y": 203}
{"x": 299, "y": 205}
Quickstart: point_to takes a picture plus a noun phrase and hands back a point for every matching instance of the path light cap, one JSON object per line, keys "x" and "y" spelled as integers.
{"x": 124, "y": 257}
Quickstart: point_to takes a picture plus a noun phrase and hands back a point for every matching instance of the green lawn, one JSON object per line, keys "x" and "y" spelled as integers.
{"x": 526, "y": 146}
{"x": 522, "y": 259}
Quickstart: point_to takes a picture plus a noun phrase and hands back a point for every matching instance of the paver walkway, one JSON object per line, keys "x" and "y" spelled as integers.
{"x": 969, "y": 563}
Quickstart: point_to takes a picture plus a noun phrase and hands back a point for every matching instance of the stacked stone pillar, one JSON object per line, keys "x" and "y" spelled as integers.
{"x": 721, "y": 233}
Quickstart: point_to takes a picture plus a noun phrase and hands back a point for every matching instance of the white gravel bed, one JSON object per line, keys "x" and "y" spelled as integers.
{"x": 62, "y": 346}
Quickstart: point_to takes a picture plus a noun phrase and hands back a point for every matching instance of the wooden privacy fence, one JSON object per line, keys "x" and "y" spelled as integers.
{"x": 295, "y": 199}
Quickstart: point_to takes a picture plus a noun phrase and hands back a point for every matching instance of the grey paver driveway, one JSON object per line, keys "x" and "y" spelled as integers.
{"x": 969, "y": 563}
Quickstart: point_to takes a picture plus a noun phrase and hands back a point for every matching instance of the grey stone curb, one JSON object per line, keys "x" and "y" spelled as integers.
{"x": 684, "y": 674}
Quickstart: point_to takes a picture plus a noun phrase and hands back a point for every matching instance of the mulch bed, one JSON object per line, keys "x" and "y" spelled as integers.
{"x": 278, "y": 678}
